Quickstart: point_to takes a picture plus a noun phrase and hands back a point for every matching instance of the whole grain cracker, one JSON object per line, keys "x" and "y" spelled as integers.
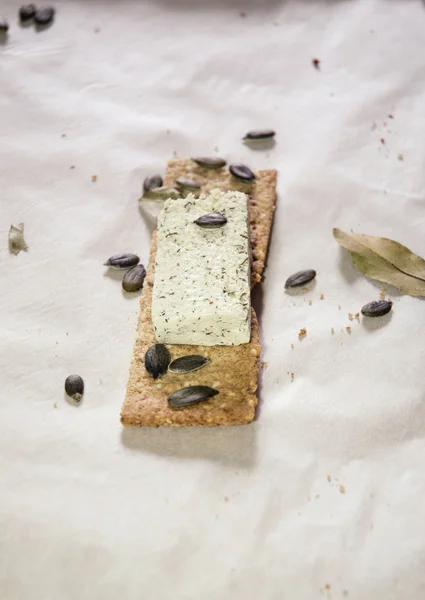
{"x": 233, "y": 370}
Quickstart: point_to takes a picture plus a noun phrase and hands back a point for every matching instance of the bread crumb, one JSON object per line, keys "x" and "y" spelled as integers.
{"x": 242, "y": 15}
{"x": 391, "y": 116}
{"x": 382, "y": 141}
{"x": 292, "y": 346}
{"x": 348, "y": 329}
{"x": 327, "y": 586}
{"x": 342, "y": 489}
{"x": 400, "y": 156}
{"x": 310, "y": 302}
{"x": 264, "y": 364}
{"x": 322, "y": 296}
{"x": 357, "y": 316}
{"x": 345, "y": 592}
{"x": 94, "y": 178}
{"x": 350, "y": 316}
{"x": 302, "y": 333}
{"x": 317, "y": 496}
{"x": 316, "y": 63}
{"x": 226, "y": 499}
{"x": 292, "y": 376}
{"x": 329, "y": 478}
{"x": 55, "y": 404}
{"x": 332, "y": 330}
{"x": 374, "y": 126}
{"x": 382, "y": 293}
{"x": 339, "y": 307}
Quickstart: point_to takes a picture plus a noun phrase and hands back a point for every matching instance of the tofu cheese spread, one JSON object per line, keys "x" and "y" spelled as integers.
{"x": 201, "y": 292}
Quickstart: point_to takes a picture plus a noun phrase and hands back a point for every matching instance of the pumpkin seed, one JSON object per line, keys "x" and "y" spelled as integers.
{"x": 134, "y": 278}
{"x": 157, "y": 359}
{"x": 242, "y": 172}
{"x": 122, "y": 261}
{"x": 191, "y": 395}
{"x": 211, "y": 221}
{"x": 186, "y": 364}
{"x": 161, "y": 193}
{"x": 261, "y": 135}
{"x": 300, "y": 278}
{"x": 188, "y": 184}
{"x": 378, "y": 308}
{"x": 210, "y": 162}
{"x": 74, "y": 387}
{"x": 44, "y": 16}
{"x": 27, "y": 12}
{"x": 153, "y": 182}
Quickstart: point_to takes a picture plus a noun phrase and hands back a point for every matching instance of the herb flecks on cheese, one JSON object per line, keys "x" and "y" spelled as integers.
{"x": 201, "y": 293}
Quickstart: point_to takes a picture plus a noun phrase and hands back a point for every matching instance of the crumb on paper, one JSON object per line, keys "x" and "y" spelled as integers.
{"x": 72, "y": 167}
{"x": 391, "y": 116}
{"x": 339, "y": 307}
{"x": 316, "y": 63}
{"x": 96, "y": 29}
{"x": 216, "y": 149}
{"x": 348, "y": 329}
{"x": 322, "y": 296}
{"x": 16, "y": 239}
{"x": 357, "y": 316}
{"x": 63, "y": 135}
{"x": 350, "y": 316}
{"x": 332, "y": 330}
{"x": 55, "y": 404}
{"x": 374, "y": 126}
{"x": 310, "y": 302}
{"x": 400, "y": 156}
{"x": 292, "y": 346}
{"x": 329, "y": 478}
{"x": 317, "y": 496}
{"x": 242, "y": 14}
{"x": 226, "y": 499}
{"x": 292, "y": 376}
{"x": 382, "y": 293}
{"x": 345, "y": 592}
{"x": 342, "y": 489}
{"x": 264, "y": 364}
{"x": 94, "y": 178}
{"x": 302, "y": 333}
{"x": 382, "y": 140}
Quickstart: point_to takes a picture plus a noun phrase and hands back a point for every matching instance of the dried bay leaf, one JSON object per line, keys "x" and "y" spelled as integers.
{"x": 16, "y": 239}
{"x": 385, "y": 260}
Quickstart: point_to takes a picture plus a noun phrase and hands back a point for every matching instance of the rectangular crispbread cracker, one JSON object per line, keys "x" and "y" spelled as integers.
{"x": 233, "y": 370}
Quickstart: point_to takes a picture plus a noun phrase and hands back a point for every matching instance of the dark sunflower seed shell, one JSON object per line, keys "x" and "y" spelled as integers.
{"x": 134, "y": 278}
{"x": 151, "y": 183}
{"x": 211, "y": 221}
{"x": 212, "y": 162}
{"x": 242, "y": 172}
{"x": 122, "y": 261}
{"x": 260, "y": 135}
{"x": 74, "y": 387}
{"x": 300, "y": 278}
{"x": 188, "y": 184}
{"x": 191, "y": 395}
{"x": 186, "y": 364}
{"x": 378, "y": 308}
{"x": 157, "y": 359}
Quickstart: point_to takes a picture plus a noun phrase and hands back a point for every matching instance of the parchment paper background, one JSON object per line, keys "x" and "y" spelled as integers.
{"x": 323, "y": 496}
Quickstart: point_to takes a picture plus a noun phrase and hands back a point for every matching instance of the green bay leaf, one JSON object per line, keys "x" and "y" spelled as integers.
{"x": 385, "y": 260}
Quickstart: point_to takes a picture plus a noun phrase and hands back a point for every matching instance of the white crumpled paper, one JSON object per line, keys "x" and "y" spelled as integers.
{"x": 321, "y": 497}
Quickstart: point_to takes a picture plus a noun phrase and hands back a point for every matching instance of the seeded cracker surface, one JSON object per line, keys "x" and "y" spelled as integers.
{"x": 233, "y": 370}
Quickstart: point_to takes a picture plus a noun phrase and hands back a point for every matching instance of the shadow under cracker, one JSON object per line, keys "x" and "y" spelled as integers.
{"x": 234, "y": 446}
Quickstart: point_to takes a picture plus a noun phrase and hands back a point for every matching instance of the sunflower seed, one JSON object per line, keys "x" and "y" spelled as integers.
{"x": 211, "y": 221}
{"x": 261, "y": 135}
{"x": 27, "y": 12}
{"x": 188, "y": 184}
{"x": 4, "y": 26}
{"x": 378, "y": 308}
{"x": 300, "y": 278}
{"x": 16, "y": 238}
{"x": 161, "y": 193}
{"x": 186, "y": 364}
{"x": 74, "y": 387}
{"x": 153, "y": 182}
{"x": 157, "y": 359}
{"x": 44, "y": 16}
{"x": 242, "y": 172}
{"x": 191, "y": 395}
{"x": 213, "y": 162}
{"x": 122, "y": 261}
{"x": 134, "y": 278}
